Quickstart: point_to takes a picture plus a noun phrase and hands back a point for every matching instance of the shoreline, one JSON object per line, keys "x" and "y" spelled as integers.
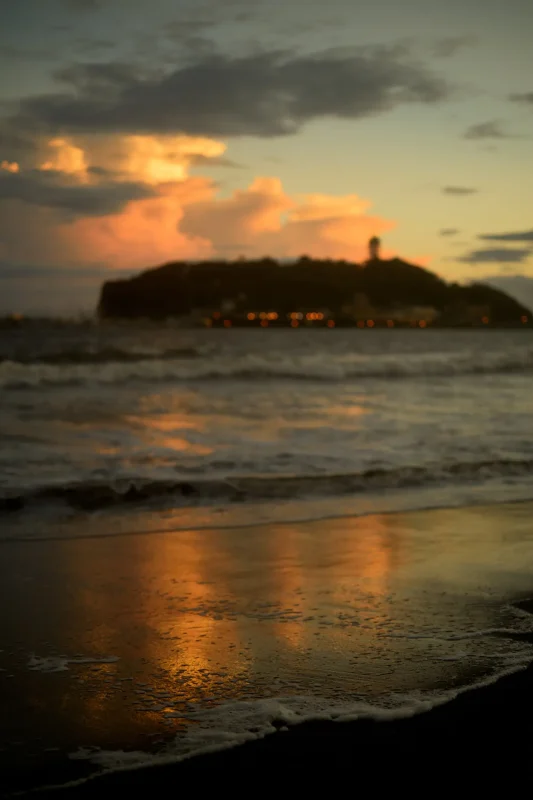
{"x": 87, "y": 517}
{"x": 488, "y": 722}
{"x": 120, "y": 644}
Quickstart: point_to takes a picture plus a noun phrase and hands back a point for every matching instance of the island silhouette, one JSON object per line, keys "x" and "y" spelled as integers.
{"x": 308, "y": 292}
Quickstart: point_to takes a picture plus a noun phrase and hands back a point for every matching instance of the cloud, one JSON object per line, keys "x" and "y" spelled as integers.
{"x": 492, "y": 129}
{"x": 154, "y": 159}
{"x": 89, "y": 46}
{"x": 449, "y": 231}
{"x": 513, "y": 236}
{"x": 450, "y": 45}
{"x": 263, "y": 94}
{"x": 179, "y": 216}
{"x": 263, "y": 219}
{"x": 200, "y": 160}
{"x": 15, "y": 145}
{"x": 52, "y": 190}
{"x": 63, "y": 155}
{"x": 10, "y": 166}
{"x": 524, "y": 97}
{"x": 190, "y": 36}
{"x": 502, "y": 255}
{"x": 459, "y": 190}
{"x": 184, "y": 29}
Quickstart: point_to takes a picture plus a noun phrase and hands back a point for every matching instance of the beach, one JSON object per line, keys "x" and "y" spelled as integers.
{"x": 208, "y": 537}
{"x": 481, "y": 742}
{"x": 149, "y": 649}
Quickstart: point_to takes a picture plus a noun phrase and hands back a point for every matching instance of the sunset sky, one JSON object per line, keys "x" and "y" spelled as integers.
{"x": 134, "y": 133}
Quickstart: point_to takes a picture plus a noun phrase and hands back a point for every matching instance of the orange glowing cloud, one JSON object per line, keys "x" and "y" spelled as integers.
{"x": 9, "y": 166}
{"x": 145, "y": 233}
{"x": 264, "y": 220}
{"x": 64, "y": 156}
{"x": 186, "y": 218}
{"x": 151, "y": 159}
{"x": 323, "y": 206}
{"x": 166, "y": 159}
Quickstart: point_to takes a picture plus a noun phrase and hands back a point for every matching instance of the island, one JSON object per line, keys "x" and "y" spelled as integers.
{"x": 308, "y": 292}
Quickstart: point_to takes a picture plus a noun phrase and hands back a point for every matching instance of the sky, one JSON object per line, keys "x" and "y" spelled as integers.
{"x": 135, "y": 133}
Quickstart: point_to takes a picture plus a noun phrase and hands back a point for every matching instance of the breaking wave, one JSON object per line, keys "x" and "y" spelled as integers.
{"x": 109, "y": 367}
{"x": 106, "y": 355}
{"x": 93, "y": 495}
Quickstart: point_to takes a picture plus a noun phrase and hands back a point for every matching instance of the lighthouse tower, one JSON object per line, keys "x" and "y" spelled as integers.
{"x": 373, "y": 248}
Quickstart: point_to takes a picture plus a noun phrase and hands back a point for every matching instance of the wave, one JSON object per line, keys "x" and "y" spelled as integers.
{"x": 189, "y": 364}
{"x": 92, "y": 495}
{"x": 106, "y": 355}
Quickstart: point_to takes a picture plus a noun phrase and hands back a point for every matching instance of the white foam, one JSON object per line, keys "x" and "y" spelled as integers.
{"x": 232, "y": 724}
{"x": 61, "y": 663}
{"x": 253, "y": 366}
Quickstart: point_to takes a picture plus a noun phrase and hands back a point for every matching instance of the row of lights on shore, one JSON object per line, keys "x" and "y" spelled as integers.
{"x": 296, "y": 317}
{"x": 264, "y": 323}
{"x": 524, "y": 319}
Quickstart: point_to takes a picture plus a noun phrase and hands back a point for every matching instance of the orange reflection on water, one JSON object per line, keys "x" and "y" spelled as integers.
{"x": 328, "y": 575}
{"x": 192, "y": 608}
{"x": 363, "y": 580}
{"x": 162, "y": 430}
{"x": 288, "y": 580}
{"x": 206, "y": 616}
{"x": 370, "y": 556}
{"x": 349, "y": 410}
{"x": 203, "y": 615}
{"x": 183, "y": 445}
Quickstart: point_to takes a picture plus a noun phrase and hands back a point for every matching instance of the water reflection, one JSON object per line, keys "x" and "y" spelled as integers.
{"x": 332, "y": 609}
{"x": 166, "y": 431}
{"x": 288, "y": 580}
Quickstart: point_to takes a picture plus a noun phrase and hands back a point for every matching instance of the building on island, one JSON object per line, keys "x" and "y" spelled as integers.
{"x": 373, "y": 248}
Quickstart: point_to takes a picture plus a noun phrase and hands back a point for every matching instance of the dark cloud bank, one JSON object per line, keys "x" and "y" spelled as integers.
{"x": 264, "y": 94}
{"x": 52, "y": 190}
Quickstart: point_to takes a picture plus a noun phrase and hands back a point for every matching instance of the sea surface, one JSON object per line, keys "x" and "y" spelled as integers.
{"x": 208, "y": 534}
{"x": 339, "y": 421}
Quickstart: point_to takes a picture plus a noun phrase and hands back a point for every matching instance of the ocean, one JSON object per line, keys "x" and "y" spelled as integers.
{"x": 229, "y": 528}
{"x": 220, "y": 421}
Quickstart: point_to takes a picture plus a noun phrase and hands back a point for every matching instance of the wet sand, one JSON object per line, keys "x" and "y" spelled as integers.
{"x": 481, "y": 741}
{"x": 117, "y": 643}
